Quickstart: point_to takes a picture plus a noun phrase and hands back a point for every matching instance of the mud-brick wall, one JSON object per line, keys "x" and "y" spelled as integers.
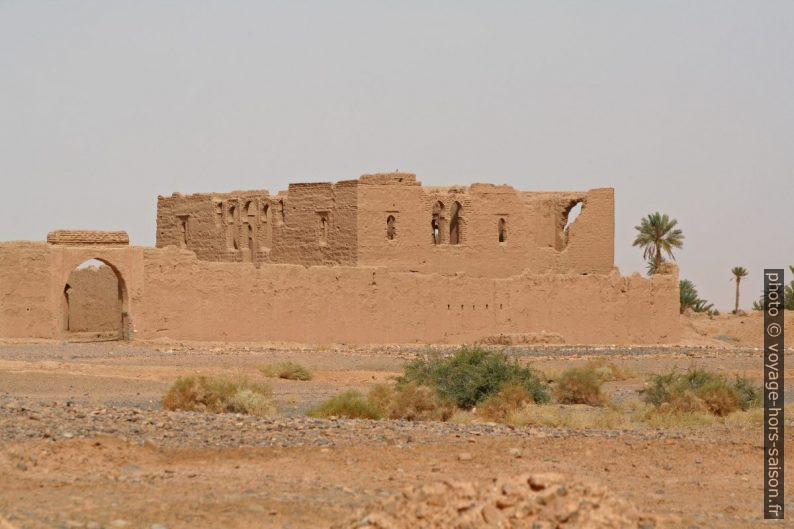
{"x": 94, "y": 302}
{"x": 185, "y": 298}
{"x": 26, "y": 305}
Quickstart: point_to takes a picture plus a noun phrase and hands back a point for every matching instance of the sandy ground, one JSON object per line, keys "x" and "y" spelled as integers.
{"x": 84, "y": 441}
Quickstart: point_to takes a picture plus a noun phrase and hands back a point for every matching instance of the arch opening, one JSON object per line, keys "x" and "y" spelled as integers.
{"x": 95, "y": 305}
{"x": 391, "y": 227}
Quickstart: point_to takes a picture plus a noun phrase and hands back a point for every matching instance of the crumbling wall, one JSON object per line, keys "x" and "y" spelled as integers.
{"x": 389, "y": 219}
{"x": 232, "y": 226}
{"x": 318, "y": 226}
{"x": 186, "y": 298}
{"x": 311, "y": 224}
{"x": 93, "y": 297}
{"x": 501, "y": 232}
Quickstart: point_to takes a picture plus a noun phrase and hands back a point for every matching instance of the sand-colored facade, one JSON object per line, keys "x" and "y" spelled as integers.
{"x": 380, "y": 259}
{"x": 390, "y": 220}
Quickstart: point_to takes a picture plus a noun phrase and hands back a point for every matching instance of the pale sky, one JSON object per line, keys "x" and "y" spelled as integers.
{"x": 683, "y": 107}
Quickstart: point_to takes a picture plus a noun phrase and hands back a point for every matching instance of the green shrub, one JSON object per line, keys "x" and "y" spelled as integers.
{"x": 287, "y": 370}
{"x": 580, "y": 385}
{"x": 698, "y": 390}
{"x": 219, "y": 395}
{"x": 410, "y": 402}
{"x": 350, "y": 404}
{"x": 749, "y": 395}
{"x": 472, "y": 375}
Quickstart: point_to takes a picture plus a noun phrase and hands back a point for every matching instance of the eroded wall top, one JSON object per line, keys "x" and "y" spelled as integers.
{"x": 391, "y": 220}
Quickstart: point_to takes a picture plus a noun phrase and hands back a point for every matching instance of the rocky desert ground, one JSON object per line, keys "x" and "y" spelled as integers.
{"x": 86, "y": 443}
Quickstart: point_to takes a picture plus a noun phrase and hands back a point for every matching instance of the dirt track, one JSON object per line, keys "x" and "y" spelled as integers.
{"x": 84, "y": 443}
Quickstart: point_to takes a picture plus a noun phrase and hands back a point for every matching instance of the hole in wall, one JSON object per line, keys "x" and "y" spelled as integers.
{"x": 437, "y": 222}
{"x": 502, "y": 226}
{"x": 573, "y": 214}
{"x": 456, "y": 220}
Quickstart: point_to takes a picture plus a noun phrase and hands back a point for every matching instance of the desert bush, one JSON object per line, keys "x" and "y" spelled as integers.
{"x": 219, "y": 395}
{"x": 350, "y": 404}
{"x": 510, "y": 398}
{"x": 580, "y": 385}
{"x": 287, "y": 370}
{"x": 698, "y": 390}
{"x": 472, "y": 375}
{"x": 410, "y": 402}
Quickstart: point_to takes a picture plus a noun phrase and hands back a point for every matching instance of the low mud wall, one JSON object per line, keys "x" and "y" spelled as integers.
{"x": 169, "y": 293}
{"x": 185, "y": 298}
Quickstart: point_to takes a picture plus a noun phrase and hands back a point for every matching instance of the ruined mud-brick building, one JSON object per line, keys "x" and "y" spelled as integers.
{"x": 380, "y": 259}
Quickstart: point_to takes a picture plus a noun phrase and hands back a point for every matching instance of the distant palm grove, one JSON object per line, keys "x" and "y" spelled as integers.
{"x": 657, "y": 236}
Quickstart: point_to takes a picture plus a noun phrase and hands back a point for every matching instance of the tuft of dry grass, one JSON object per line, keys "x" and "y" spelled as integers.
{"x": 350, "y": 404}
{"x": 576, "y": 416}
{"x": 607, "y": 370}
{"x": 580, "y": 385}
{"x": 411, "y": 402}
{"x": 219, "y": 395}
{"x": 286, "y": 370}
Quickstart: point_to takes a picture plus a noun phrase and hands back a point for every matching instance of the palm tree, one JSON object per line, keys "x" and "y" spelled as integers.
{"x": 688, "y": 295}
{"x": 738, "y": 273}
{"x": 657, "y": 234}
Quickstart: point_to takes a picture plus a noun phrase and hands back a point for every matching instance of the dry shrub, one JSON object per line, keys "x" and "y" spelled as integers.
{"x": 350, "y": 404}
{"x": 608, "y": 371}
{"x": 219, "y": 395}
{"x": 719, "y": 398}
{"x": 286, "y": 370}
{"x": 579, "y": 385}
{"x": 698, "y": 390}
{"x": 511, "y": 398}
{"x": 411, "y": 402}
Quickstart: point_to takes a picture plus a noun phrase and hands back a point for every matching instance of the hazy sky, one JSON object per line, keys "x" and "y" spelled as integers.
{"x": 683, "y": 107}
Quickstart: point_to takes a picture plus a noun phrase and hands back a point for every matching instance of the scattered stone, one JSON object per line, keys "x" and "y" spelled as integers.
{"x": 537, "y": 501}
{"x": 515, "y": 452}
